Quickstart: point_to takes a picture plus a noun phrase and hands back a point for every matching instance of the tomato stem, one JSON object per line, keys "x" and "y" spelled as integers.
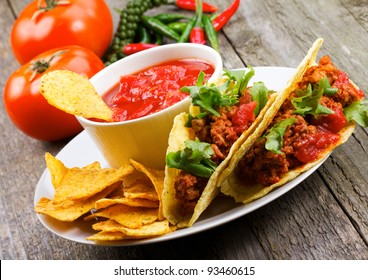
{"x": 41, "y": 65}
{"x": 50, "y": 4}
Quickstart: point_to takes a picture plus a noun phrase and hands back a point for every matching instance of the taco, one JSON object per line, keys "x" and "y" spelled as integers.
{"x": 320, "y": 111}
{"x": 223, "y": 114}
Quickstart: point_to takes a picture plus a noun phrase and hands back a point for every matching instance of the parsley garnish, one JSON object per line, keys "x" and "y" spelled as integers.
{"x": 259, "y": 93}
{"x": 357, "y": 111}
{"x": 211, "y": 97}
{"x": 307, "y": 101}
{"x": 194, "y": 159}
{"x": 275, "y": 136}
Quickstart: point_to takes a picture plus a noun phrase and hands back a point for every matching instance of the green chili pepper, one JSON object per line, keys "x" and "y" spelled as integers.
{"x": 158, "y": 39}
{"x": 144, "y": 35}
{"x": 186, "y": 32}
{"x": 168, "y": 18}
{"x": 178, "y": 26}
{"x": 160, "y": 28}
{"x": 210, "y": 32}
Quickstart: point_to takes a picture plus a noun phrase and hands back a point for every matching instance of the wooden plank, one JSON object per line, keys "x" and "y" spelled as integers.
{"x": 347, "y": 178}
{"x": 307, "y": 223}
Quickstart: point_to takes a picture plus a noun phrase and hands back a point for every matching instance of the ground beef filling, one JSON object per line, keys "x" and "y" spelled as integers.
{"x": 188, "y": 190}
{"x": 265, "y": 167}
{"x": 218, "y": 131}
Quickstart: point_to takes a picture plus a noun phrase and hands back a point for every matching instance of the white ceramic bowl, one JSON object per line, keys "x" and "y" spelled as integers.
{"x": 144, "y": 139}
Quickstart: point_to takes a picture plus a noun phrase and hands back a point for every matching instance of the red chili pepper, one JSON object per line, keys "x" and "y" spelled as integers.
{"x": 197, "y": 34}
{"x": 225, "y": 16}
{"x": 137, "y": 47}
{"x": 191, "y": 5}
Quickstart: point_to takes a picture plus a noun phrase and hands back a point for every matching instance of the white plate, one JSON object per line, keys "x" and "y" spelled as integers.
{"x": 81, "y": 151}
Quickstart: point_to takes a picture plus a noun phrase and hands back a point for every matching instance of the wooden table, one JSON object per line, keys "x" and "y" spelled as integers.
{"x": 325, "y": 217}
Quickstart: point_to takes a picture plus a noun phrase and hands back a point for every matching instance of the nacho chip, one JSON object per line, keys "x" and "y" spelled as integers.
{"x": 133, "y": 202}
{"x": 74, "y": 94}
{"x": 108, "y": 236}
{"x": 157, "y": 178}
{"x": 111, "y": 230}
{"x": 145, "y": 231}
{"x": 142, "y": 188}
{"x": 56, "y": 168}
{"x": 131, "y": 217}
{"x": 82, "y": 183}
{"x": 70, "y": 210}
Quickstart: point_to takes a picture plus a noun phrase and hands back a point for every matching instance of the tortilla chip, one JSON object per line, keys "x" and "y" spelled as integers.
{"x": 74, "y": 94}
{"x": 111, "y": 230}
{"x": 145, "y": 231}
{"x": 56, "y": 168}
{"x": 157, "y": 179}
{"x": 143, "y": 190}
{"x": 133, "y": 202}
{"x": 108, "y": 236}
{"x": 82, "y": 183}
{"x": 131, "y": 217}
{"x": 70, "y": 210}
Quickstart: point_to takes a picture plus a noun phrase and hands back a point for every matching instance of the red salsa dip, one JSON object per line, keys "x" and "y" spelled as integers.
{"x": 155, "y": 88}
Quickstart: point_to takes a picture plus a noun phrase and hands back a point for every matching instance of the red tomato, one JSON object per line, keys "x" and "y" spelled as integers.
{"x": 332, "y": 122}
{"x": 244, "y": 115}
{"x": 84, "y": 23}
{"x": 29, "y": 110}
{"x": 315, "y": 143}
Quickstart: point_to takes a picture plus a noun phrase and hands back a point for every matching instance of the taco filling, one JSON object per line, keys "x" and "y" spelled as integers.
{"x": 220, "y": 132}
{"x": 307, "y": 123}
{"x": 219, "y": 116}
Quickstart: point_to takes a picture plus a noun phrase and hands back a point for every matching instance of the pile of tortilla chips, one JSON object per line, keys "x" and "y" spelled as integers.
{"x": 125, "y": 203}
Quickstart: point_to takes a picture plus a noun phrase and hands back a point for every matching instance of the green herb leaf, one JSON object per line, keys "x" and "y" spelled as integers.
{"x": 200, "y": 79}
{"x": 327, "y": 89}
{"x": 275, "y": 136}
{"x": 259, "y": 93}
{"x": 240, "y": 77}
{"x": 211, "y": 97}
{"x": 307, "y": 101}
{"x": 194, "y": 159}
{"x": 357, "y": 111}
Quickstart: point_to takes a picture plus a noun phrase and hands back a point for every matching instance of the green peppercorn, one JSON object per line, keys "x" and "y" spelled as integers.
{"x": 126, "y": 31}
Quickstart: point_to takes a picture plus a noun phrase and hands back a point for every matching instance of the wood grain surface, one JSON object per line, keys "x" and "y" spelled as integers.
{"x": 325, "y": 217}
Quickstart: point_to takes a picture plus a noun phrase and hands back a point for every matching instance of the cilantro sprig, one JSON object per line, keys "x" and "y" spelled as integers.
{"x": 275, "y": 135}
{"x": 210, "y": 97}
{"x": 259, "y": 93}
{"x": 357, "y": 111}
{"x": 307, "y": 101}
{"x": 195, "y": 159}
